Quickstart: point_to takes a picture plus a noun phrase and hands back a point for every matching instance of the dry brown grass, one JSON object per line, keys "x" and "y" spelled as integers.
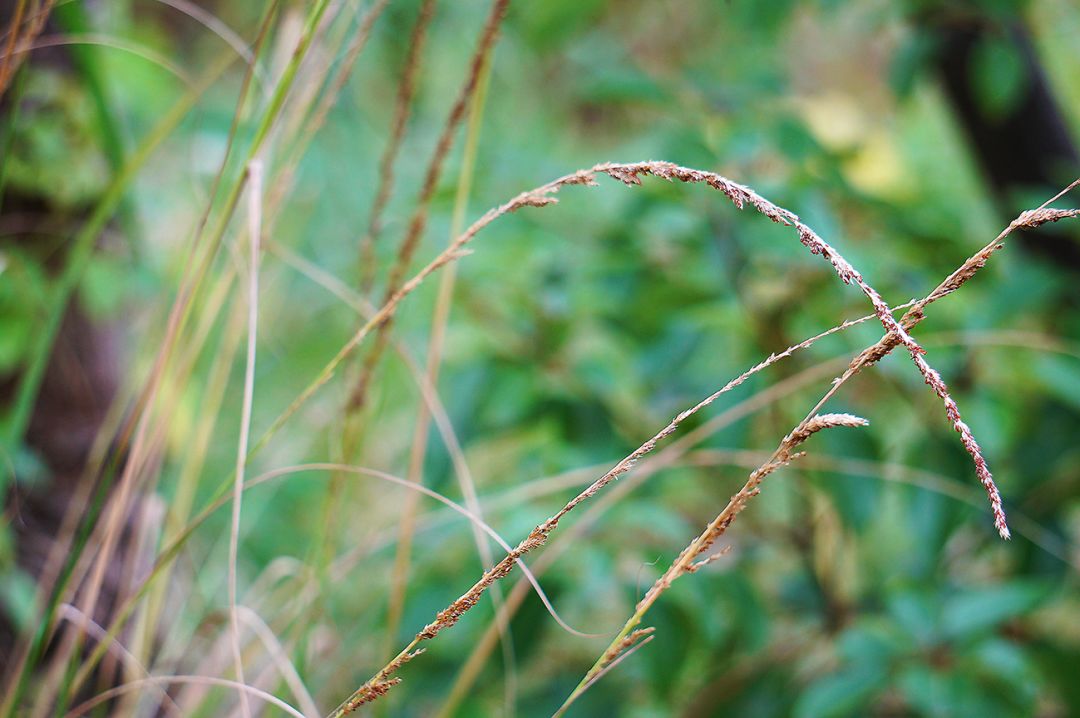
{"x": 25, "y": 26}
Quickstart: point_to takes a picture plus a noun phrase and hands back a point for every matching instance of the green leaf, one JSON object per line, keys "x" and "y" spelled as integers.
{"x": 916, "y": 614}
{"x": 975, "y": 612}
{"x": 925, "y": 690}
{"x": 1010, "y": 671}
{"x": 869, "y": 645}
{"x": 998, "y": 76}
{"x": 839, "y": 693}
{"x": 1060, "y": 376}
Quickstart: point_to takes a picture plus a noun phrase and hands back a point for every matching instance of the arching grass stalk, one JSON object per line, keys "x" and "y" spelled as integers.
{"x": 629, "y": 636}
{"x": 630, "y": 174}
{"x": 383, "y": 680}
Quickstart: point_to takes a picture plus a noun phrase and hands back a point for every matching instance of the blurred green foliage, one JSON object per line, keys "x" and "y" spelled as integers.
{"x": 867, "y": 583}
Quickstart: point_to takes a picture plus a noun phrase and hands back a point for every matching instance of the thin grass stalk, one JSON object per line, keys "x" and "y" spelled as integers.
{"x": 216, "y": 25}
{"x": 440, "y": 316}
{"x": 783, "y": 454}
{"x": 14, "y": 28}
{"x": 689, "y": 560}
{"x": 328, "y": 39}
{"x": 418, "y": 222}
{"x": 281, "y": 661}
{"x": 72, "y": 615}
{"x": 889, "y": 472}
{"x": 643, "y": 470}
{"x": 255, "y": 188}
{"x": 267, "y": 680}
{"x": 82, "y": 246}
{"x": 182, "y": 306}
{"x": 315, "y": 120}
{"x": 1015, "y": 338}
{"x": 194, "y": 456}
{"x": 382, "y": 681}
{"x": 315, "y": 73}
{"x": 29, "y": 384}
{"x": 83, "y": 39}
{"x": 402, "y": 110}
{"x": 142, "y": 683}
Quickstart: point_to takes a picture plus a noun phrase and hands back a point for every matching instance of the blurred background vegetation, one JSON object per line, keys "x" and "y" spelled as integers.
{"x": 866, "y": 580}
